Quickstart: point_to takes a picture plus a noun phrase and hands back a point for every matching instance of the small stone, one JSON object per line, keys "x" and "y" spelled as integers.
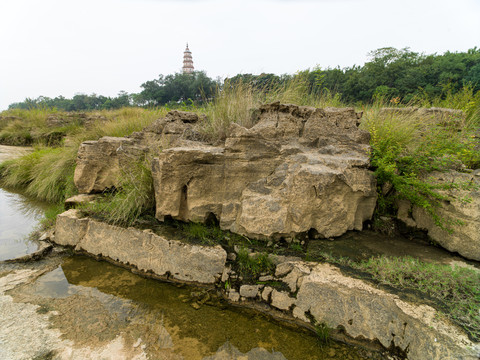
{"x": 233, "y": 295}
{"x": 225, "y": 274}
{"x": 137, "y": 343}
{"x": 281, "y": 300}
{"x": 250, "y": 291}
{"x": 43, "y": 237}
{"x": 266, "y": 278}
{"x": 283, "y": 269}
{"x": 79, "y": 199}
{"x": 266, "y": 293}
{"x": 232, "y": 256}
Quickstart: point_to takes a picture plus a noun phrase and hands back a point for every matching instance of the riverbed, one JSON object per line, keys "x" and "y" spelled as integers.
{"x": 68, "y": 306}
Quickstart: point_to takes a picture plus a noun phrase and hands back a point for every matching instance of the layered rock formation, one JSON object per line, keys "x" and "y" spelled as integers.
{"x": 143, "y": 249}
{"x": 461, "y": 214}
{"x": 298, "y": 169}
{"x": 313, "y": 293}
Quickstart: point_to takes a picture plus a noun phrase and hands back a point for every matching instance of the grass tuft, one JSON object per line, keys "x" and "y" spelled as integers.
{"x": 133, "y": 199}
{"x": 252, "y": 265}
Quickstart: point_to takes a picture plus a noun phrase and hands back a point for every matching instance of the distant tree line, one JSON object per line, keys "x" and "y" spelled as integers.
{"x": 390, "y": 73}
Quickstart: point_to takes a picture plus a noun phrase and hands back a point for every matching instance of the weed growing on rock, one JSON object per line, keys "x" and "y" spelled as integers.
{"x": 134, "y": 197}
{"x": 207, "y": 235}
{"x": 407, "y": 146}
{"x": 323, "y": 332}
{"x": 251, "y": 265}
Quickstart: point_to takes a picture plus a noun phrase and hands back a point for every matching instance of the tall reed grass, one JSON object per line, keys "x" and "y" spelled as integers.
{"x": 236, "y": 103}
{"x": 47, "y": 173}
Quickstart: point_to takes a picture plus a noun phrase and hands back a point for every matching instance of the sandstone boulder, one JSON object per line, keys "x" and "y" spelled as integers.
{"x": 297, "y": 169}
{"x": 463, "y": 206}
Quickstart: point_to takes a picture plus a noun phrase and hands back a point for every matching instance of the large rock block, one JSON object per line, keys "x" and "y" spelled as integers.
{"x": 100, "y": 163}
{"x": 461, "y": 214}
{"x": 297, "y": 169}
{"x": 143, "y": 249}
{"x": 70, "y": 227}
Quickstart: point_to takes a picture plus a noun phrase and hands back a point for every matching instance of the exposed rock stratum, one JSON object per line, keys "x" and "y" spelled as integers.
{"x": 298, "y": 169}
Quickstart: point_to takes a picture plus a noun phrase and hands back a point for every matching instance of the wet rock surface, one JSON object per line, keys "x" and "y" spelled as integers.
{"x": 79, "y": 308}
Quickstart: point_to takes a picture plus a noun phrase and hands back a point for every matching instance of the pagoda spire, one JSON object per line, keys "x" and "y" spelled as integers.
{"x": 187, "y": 61}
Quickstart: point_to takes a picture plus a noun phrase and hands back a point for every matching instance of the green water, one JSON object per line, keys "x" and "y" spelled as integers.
{"x": 102, "y": 300}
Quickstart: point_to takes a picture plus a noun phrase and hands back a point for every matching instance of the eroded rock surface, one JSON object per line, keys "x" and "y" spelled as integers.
{"x": 143, "y": 249}
{"x": 464, "y": 207}
{"x": 297, "y": 169}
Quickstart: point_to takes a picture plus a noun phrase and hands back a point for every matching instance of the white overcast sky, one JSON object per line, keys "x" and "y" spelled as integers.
{"x": 64, "y": 47}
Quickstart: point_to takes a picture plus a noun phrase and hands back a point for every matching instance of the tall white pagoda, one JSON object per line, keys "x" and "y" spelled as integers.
{"x": 187, "y": 61}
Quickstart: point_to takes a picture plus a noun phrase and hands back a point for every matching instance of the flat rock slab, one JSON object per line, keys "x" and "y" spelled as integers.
{"x": 370, "y": 313}
{"x": 142, "y": 249}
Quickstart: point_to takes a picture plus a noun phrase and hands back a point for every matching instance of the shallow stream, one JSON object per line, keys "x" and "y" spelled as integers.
{"x": 18, "y": 218}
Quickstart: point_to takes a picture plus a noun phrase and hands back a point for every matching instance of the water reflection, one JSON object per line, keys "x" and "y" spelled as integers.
{"x": 104, "y": 300}
{"x": 18, "y": 218}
